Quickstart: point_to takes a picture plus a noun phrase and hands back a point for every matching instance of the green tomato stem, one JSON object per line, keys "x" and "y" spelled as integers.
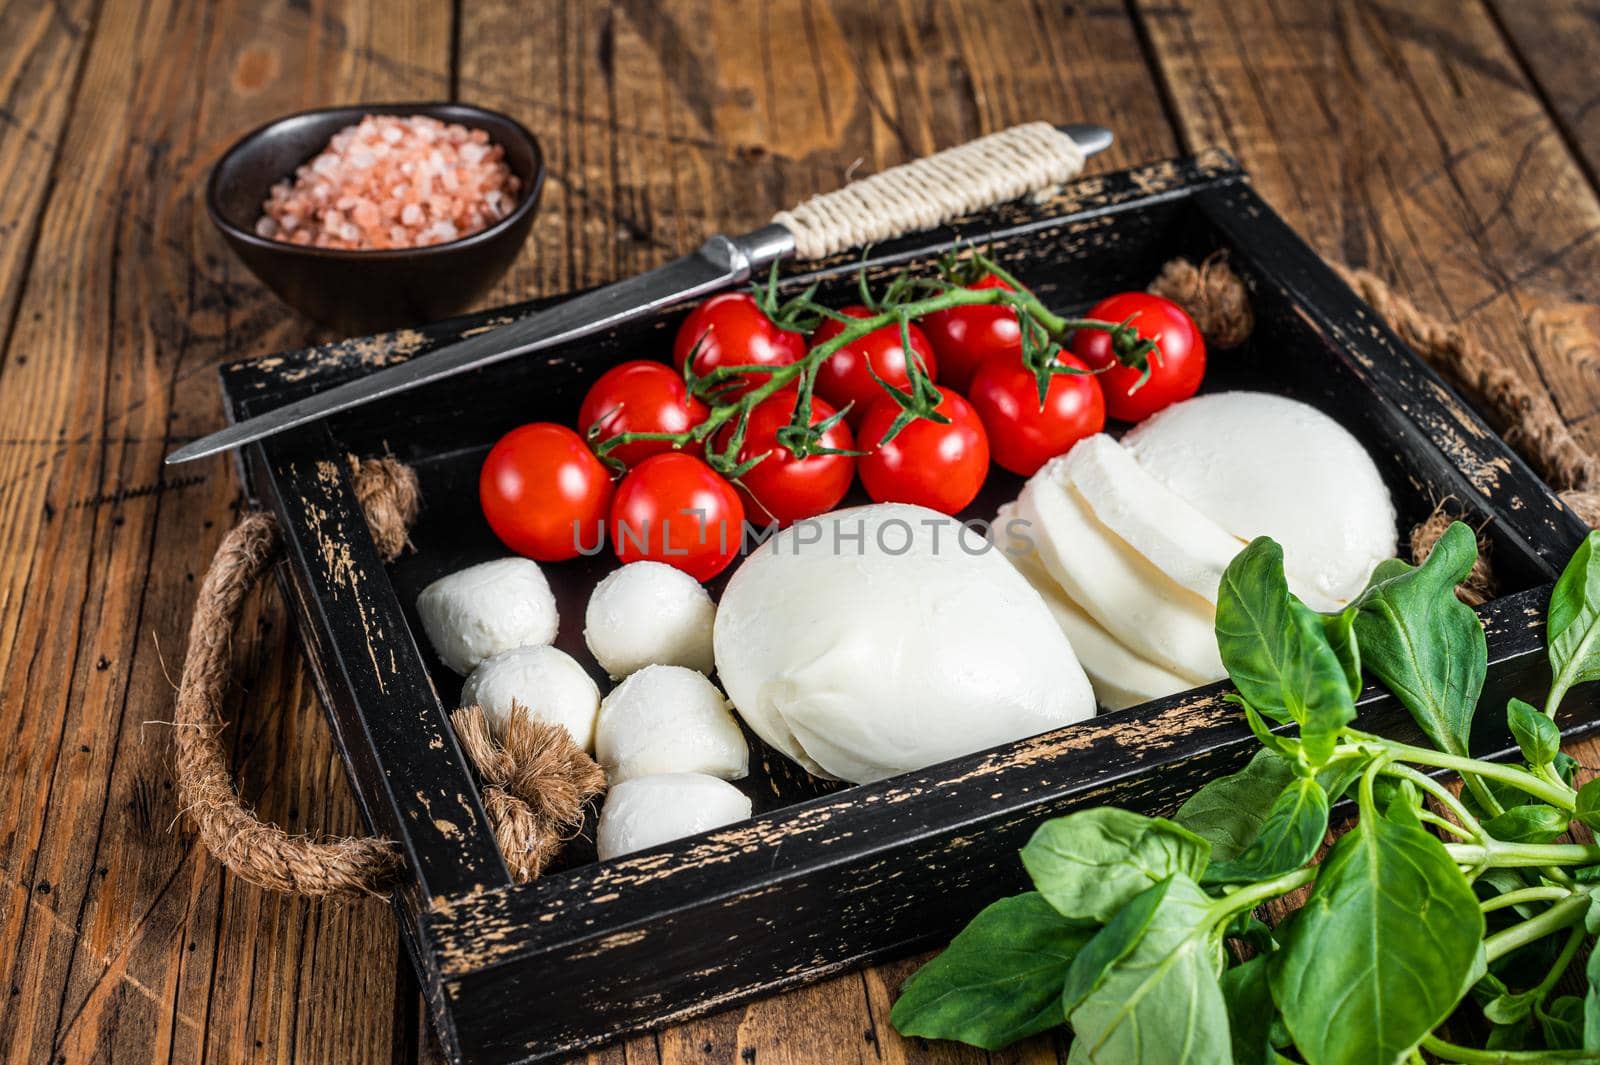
{"x": 1471, "y": 1056}
{"x": 1563, "y": 914}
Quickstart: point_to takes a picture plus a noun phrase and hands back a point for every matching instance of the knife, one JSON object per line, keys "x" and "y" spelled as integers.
{"x": 917, "y": 195}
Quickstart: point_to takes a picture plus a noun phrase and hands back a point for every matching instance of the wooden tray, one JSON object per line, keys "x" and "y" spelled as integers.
{"x": 825, "y": 877}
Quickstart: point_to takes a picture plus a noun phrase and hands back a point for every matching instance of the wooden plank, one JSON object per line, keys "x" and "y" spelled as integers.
{"x": 121, "y": 937}
{"x": 664, "y": 123}
{"x": 1557, "y": 43}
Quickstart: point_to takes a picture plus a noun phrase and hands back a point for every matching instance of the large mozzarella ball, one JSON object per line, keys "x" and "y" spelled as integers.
{"x": 883, "y": 639}
{"x": 645, "y": 811}
{"x": 669, "y": 719}
{"x": 493, "y": 606}
{"x": 1266, "y": 465}
{"x": 549, "y": 682}
{"x": 649, "y": 613}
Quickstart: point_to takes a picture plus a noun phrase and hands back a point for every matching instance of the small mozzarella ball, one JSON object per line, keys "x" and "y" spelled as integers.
{"x": 669, "y": 719}
{"x": 646, "y": 614}
{"x": 487, "y": 608}
{"x": 646, "y": 811}
{"x": 549, "y": 682}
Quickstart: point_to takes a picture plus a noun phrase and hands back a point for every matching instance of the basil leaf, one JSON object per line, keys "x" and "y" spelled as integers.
{"x": 1250, "y": 1012}
{"x": 1340, "y": 630}
{"x": 1536, "y": 735}
{"x": 1159, "y": 1001}
{"x": 1277, "y": 652}
{"x": 1528, "y": 823}
{"x": 1382, "y": 950}
{"x": 1109, "y": 946}
{"x": 1423, "y": 643}
{"x": 1228, "y": 811}
{"x": 1591, "y": 1004}
{"x": 1290, "y": 836}
{"x": 1573, "y": 628}
{"x": 1588, "y": 804}
{"x": 1089, "y": 864}
{"x": 999, "y": 980}
{"x": 1509, "y": 1008}
{"x": 1566, "y": 767}
{"x": 1562, "y": 1023}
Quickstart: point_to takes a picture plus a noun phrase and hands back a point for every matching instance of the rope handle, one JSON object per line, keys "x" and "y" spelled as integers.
{"x": 929, "y": 192}
{"x": 536, "y": 780}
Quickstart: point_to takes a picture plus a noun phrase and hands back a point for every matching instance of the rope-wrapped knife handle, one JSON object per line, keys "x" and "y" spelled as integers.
{"x": 930, "y": 192}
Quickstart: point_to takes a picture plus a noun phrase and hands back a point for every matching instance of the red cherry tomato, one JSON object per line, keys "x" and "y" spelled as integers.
{"x": 1177, "y": 366}
{"x": 845, "y": 376}
{"x": 1023, "y": 435}
{"x": 639, "y": 396}
{"x": 544, "y": 493}
{"x": 931, "y": 464}
{"x": 780, "y": 487}
{"x": 964, "y": 338}
{"x": 733, "y": 330}
{"x": 673, "y": 508}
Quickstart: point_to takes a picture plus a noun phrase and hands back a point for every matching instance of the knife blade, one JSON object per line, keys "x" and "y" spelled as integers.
{"x": 719, "y": 263}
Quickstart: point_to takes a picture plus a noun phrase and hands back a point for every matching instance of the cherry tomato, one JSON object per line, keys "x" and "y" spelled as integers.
{"x": 673, "y": 508}
{"x": 1177, "y": 366}
{"x": 732, "y": 330}
{"x": 935, "y": 465}
{"x": 640, "y": 396}
{"x": 1023, "y": 435}
{"x": 780, "y": 487}
{"x": 965, "y": 338}
{"x": 544, "y": 493}
{"x": 845, "y": 376}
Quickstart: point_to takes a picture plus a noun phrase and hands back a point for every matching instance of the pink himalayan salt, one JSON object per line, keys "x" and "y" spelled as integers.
{"x": 393, "y": 182}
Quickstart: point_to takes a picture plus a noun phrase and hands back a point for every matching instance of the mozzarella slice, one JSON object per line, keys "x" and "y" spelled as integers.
{"x": 549, "y": 682}
{"x": 1119, "y": 677}
{"x": 487, "y": 608}
{"x": 1266, "y": 465}
{"x": 649, "y": 613}
{"x": 882, "y": 639}
{"x": 669, "y": 719}
{"x": 1114, "y": 584}
{"x": 647, "y": 811}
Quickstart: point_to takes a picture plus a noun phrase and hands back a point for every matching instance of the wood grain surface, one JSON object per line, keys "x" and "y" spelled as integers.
{"x": 1451, "y": 145}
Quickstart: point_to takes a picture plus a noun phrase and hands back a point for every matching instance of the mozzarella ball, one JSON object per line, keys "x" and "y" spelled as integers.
{"x": 883, "y": 639}
{"x": 646, "y": 811}
{"x": 647, "y": 614}
{"x": 669, "y": 719}
{"x": 1266, "y": 465}
{"x": 549, "y": 682}
{"x": 487, "y": 608}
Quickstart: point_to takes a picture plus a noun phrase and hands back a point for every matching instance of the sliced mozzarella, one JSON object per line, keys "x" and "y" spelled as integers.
{"x": 549, "y": 682}
{"x": 883, "y": 639}
{"x": 1152, "y": 519}
{"x": 483, "y": 609}
{"x": 649, "y": 613}
{"x": 1113, "y": 583}
{"x": 1119, "y": 677}
{"x": 647, "y": 811}
{"x": 669, "y": 719}
{"x": 1266, "y": 465}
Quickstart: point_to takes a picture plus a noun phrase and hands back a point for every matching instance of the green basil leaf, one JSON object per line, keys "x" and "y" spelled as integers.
{"x": 1591, "y": 1004}
{"x": 1340, "y": 630}
{"x": 1536, "y": 734}
{"x": 1528, "y": 823}
{"x": 1109, "y": 946}
{"x": 1089, "y": 864}
{"x": 1228, "y": 811}
{"x": 1588, "y": 804}
{"x": 1159, "y": 1002}
{"x": 1289, "y": 837}
{"x": 999, "y": 980}
{"x": 1403, "y": 805}
{"x": 1252, "y": 930}
{"x": 1250, "y": 1012}
{"x": 1277, "y": 652}
{"x": 1573, "y": 627}
{"x": 1591, "y": 916}
{"x": 1423, "y": 643}
{"x": 1566, "y": 766}
{"x": 1337, "y": 776}
{"x": 1562, "y": 1023}
{"x": 1509, "y": 1009}
{"x": 1382, "y": 950}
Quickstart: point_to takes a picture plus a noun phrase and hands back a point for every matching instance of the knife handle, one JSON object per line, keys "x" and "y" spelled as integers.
{"x": 930, "y": 192}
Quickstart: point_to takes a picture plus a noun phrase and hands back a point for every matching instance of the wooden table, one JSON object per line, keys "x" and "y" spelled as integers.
{"x": 1451, "y": 145}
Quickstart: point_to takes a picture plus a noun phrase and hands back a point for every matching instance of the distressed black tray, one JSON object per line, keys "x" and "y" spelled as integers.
{"x": 824, "y": 877}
